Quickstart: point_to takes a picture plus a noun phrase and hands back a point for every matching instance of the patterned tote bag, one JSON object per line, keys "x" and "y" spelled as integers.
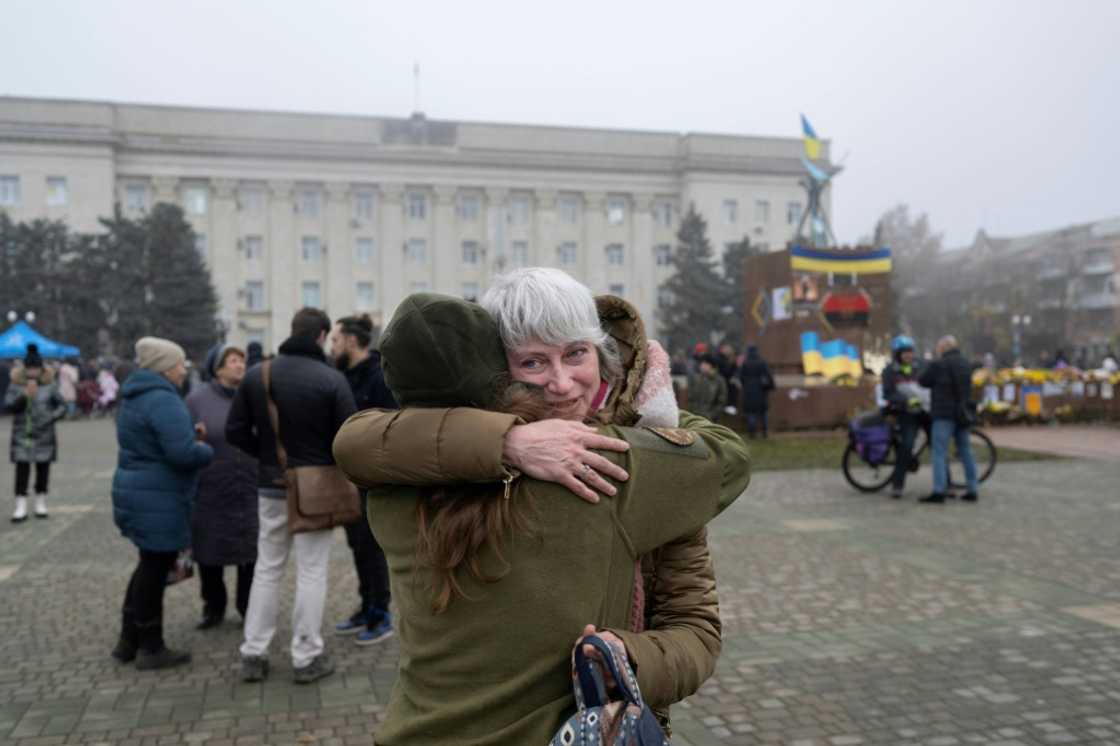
{"x": 598, "y": 721}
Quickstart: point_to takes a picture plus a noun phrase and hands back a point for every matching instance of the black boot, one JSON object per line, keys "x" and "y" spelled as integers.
{"x": 129, "y": 641}
{"x": 153, "y": 653}
{"x": 211, "y": 618}
{"x": 935, "y": 498}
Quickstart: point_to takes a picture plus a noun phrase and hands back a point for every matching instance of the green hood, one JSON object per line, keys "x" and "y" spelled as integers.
{"x": 440, "y": 351}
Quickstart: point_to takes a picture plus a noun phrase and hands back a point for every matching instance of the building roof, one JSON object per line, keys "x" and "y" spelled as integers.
{"x": 242, "y": 132}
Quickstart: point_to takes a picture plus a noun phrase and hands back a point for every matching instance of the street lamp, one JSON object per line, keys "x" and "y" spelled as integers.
{"x": 29, "y": 317}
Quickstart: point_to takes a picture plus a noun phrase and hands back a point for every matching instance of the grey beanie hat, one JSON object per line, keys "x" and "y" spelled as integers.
{"x": 158, "y": 355}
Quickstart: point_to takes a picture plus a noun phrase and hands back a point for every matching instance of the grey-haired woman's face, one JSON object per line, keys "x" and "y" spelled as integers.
{"x": 568, "y": 374}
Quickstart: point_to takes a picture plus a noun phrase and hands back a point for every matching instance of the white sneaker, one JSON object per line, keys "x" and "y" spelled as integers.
{"x": 41, "y": 506}
{"x": 20, "y": 513}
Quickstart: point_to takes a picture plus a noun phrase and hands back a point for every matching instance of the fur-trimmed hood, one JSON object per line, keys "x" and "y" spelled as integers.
{"x": 623, "y": 323}
{"x": 19, "y": 376}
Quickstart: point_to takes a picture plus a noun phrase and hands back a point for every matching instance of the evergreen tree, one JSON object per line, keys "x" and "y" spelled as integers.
{"x": 156, "y": 282}
{"x": 695, "y": 292}
{"x": 734, "y": 277}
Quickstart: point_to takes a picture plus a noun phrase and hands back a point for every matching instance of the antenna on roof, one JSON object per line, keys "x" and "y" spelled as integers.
{"x": 416, "y": 88}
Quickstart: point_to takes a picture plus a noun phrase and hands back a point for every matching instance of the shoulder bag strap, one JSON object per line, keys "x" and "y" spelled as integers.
{"x": 273, "y": 414}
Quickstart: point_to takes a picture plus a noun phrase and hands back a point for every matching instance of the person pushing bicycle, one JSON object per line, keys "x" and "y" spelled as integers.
{"x": 908, "y": 402}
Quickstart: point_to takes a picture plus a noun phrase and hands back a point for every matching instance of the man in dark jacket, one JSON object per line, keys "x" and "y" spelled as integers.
{"x": 756, "y": 383}
{"x": 350, "y": 348}
{"x": 313, "y": 400}
{"x": 950, "y": 381}
{"x": 903, "y": 400}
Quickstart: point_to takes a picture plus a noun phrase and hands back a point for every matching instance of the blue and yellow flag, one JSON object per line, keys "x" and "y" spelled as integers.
{"x": 804, "y": 259}
{"x": 812, "y": 142}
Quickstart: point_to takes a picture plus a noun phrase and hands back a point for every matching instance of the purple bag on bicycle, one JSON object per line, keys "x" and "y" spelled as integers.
{"x": 870, "y": 434}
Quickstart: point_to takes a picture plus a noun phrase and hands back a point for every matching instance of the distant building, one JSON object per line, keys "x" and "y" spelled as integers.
{"x": 353, "y": 213}
{"x": 1048, "y": 291}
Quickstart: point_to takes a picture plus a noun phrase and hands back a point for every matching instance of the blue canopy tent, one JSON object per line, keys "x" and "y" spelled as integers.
{"x": 13, "y": 343}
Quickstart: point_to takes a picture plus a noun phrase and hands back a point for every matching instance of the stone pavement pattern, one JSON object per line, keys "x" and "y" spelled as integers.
{"x": 848, "y": 619}
{"x": 1101, "y": 442}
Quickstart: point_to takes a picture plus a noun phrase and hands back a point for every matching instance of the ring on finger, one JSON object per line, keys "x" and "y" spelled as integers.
{"x": 584, "y": 470}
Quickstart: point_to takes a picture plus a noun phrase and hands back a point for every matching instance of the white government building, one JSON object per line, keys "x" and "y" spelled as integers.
{"x": 352, "y": 213}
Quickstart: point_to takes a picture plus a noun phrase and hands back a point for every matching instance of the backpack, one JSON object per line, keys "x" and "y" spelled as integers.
{"x": 870, "y": 435}
{"x": 599, "y": 722}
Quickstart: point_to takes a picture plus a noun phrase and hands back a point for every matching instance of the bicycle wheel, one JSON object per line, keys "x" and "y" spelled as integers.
{"x": 867, "y": 477}
{"x": 983, "y": 453}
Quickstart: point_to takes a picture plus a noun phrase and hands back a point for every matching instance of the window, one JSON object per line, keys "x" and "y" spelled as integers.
{"x": 200, "y": 245}
{"x": 663, "y": 214}
{"x": 417, "y": 206}
{"x": 418, "y": 286}
{"x": 195, "y": 200}
{"x": 470, "y": 252}
{"x": 311, "y": 250}
{"x": 136, "y": 197}
{"x": 254, "y": 295}
{"x": 9, "y": 190}
{"x": 363, "y": 205}
{"x": 252, "y": 201}
{"x": 729, "y": 212}
{"x": 617, "y": 288}
{"x": 57, "y": 194}
{"x": 519, "y": 254}
{"x": 793, "y": 213}
{"x": 470, "y": 291}
{"x": 254, "y": 248}
{"x": 363, "y": 296}
{"x": 761, "y": 211}
{"x": 616, "y": 211}
{"x": 566, "y": 253}
{"x": 568, "y": 209}
{"x": 615, "y": 255}
{"x": 469, "y": 207}
{"x": 363, "y": 250}
{"x": 663, "y": 254}
{"x": 519, "y": 210}
{"x": 310, "y": 295}
{"x": 416, "y": 251}
{"x": 307, "y": 202}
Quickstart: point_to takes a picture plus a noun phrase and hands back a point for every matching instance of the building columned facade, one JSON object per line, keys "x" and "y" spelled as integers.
{"x": 353, "y": 213}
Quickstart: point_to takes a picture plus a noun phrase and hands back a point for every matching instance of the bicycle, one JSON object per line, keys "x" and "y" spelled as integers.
{"x": 869, "y": 476}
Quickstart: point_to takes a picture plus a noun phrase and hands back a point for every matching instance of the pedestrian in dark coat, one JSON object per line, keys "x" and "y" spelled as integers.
{"x": 949, "y": 379}
{"x": 224, "y": 522}
{"x": 33, "y": 397}
{"x": 707, "y": 390}
{"x": 153, "y": 486}
{"x": 350, "y": 341}
{"x": 757, "y": 383}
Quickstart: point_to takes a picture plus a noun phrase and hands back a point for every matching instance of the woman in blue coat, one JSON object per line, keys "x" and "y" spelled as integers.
{"x": 153, "y": 488}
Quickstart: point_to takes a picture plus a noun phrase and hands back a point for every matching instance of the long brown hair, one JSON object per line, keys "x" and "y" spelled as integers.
{"x": 454, "y": 524}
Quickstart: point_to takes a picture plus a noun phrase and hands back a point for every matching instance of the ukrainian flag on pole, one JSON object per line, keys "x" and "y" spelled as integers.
{"x": 812, "y": 142}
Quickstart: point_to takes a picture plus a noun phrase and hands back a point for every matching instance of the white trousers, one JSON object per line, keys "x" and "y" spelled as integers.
{"x": 313, "y": 552}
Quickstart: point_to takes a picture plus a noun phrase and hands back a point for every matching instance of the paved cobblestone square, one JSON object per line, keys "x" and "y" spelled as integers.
{"x": 848, "y": 619}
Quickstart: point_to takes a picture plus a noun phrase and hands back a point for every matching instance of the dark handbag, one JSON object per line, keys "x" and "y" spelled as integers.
{"x": 318, "y": 497}
{"x": 965, "y": 415}
{"x": 599, "y": 722}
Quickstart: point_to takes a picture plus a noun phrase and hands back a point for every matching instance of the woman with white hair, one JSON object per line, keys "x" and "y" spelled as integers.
{"x": 592, "y": 363}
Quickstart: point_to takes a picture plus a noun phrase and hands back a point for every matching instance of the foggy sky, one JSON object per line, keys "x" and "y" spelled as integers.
{"x": 1002, "y": 115}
